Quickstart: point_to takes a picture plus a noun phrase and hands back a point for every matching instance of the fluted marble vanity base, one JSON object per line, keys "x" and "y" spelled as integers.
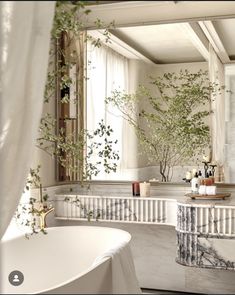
{"x": 206, "y": 252}
{"x": 206, "y": 235}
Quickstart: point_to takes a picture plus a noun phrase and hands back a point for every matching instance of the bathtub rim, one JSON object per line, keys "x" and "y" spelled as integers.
{"x": 89, "y": 269}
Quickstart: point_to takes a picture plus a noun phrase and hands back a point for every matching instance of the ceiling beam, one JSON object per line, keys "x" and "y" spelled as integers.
{"x": 217, "y": 44}
{"x": 121, "y": 46}
{"x": 134, "y": 13}
{"x": 197, "y": 37}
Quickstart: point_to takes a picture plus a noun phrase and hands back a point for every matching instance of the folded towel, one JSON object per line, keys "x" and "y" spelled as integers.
{"x": 211, "y": 190}
{"x": 202, "y": 190}
{"x": 124, "y": 280}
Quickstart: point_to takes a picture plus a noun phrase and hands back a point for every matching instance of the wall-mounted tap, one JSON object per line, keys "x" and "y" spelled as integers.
{"x": 42, "y": 213}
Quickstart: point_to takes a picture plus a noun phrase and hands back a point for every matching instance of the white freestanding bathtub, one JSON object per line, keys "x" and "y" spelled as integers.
{"x": 69, "y": 260}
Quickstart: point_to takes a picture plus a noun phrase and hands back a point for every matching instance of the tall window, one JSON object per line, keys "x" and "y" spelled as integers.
{"x": 107, "y": 71}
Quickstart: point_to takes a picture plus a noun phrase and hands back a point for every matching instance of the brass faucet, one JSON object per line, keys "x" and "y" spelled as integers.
{"x": 42, "y": 213}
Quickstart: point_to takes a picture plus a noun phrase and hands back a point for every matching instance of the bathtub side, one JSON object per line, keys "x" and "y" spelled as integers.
{"x": 96, "y": 281}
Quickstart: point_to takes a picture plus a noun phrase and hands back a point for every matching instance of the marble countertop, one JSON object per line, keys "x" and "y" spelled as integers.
{"x": 180, "y": 199}
{"x": 118, "y": 195}
{"x": 228, "y": 202}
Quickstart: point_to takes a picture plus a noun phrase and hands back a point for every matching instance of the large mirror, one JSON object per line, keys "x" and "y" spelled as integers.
{"x": 141, "y": 55}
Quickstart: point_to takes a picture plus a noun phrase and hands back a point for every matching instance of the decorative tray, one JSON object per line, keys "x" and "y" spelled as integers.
{"x": 208, "y": 197}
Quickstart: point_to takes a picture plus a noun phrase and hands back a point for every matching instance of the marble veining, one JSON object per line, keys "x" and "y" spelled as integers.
{"x": 142, "y": 210}
{"x": 192, "y": 251}
{"x": 206, "y": 236}
{"x": 212, "y": 256}
{"x": 186, "y": 249}
{"x": 186, "y": 218}
{"x": 212, "y": 220}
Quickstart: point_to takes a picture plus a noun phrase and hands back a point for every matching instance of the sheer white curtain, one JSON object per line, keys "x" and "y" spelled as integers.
{"x": 107, "y": 71}
{"x": 217, "y": 75}
{"x": 24, "y": 51}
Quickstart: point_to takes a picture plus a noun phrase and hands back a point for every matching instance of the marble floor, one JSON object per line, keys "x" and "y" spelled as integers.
{"x": 164, "y": 292}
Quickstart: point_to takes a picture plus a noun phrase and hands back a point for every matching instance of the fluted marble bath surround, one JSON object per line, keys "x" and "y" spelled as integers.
{"x": 116, "y": 208}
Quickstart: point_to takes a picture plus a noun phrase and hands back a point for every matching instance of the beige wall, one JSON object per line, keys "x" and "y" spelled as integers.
{"x": 138, "y": 74}
{"x": 192, "y": 67}
{"x": 230, "y": 131}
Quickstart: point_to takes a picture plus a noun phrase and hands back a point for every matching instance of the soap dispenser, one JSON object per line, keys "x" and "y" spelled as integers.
{"x": 195, "y": 182}
{"x": 200, "y": 174}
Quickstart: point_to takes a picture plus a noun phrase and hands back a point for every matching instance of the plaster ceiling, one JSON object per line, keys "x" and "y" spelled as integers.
{"x": 167, "y": 43}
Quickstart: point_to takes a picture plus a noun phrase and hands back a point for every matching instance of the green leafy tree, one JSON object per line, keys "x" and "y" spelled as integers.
{"x": 172, "y": 126}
